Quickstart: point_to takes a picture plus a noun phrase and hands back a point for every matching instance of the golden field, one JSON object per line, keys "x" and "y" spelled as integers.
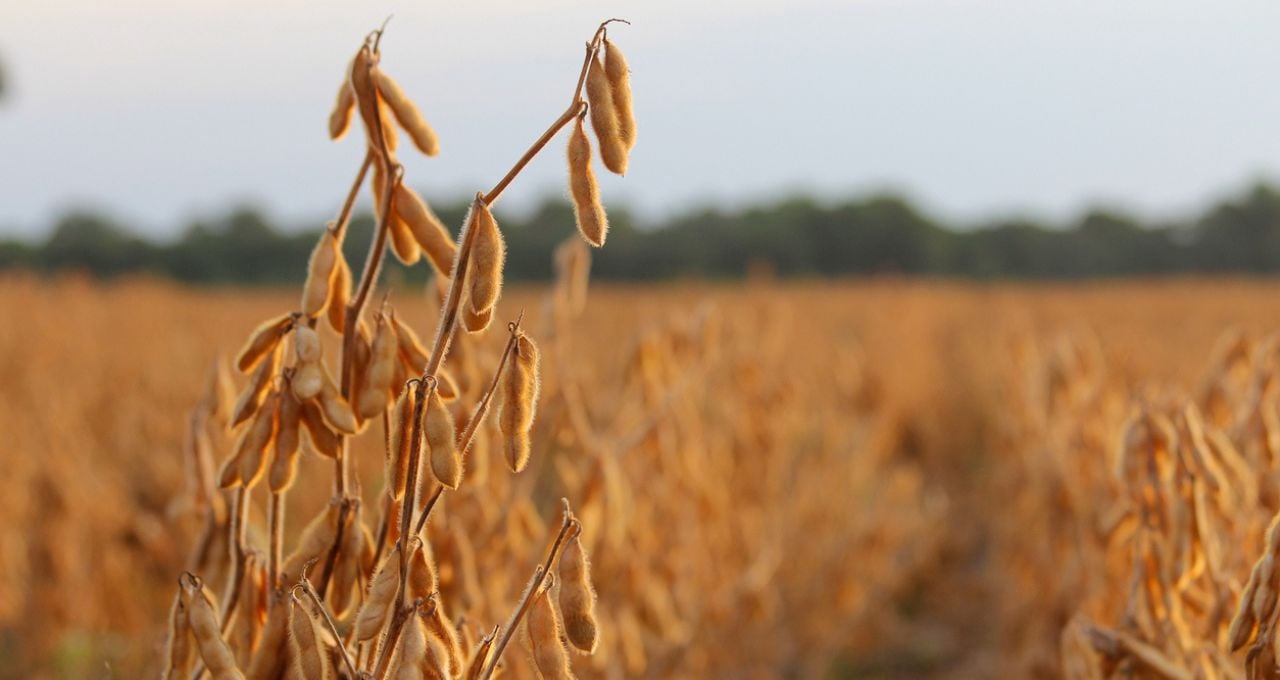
{"x": 881, "y": 479}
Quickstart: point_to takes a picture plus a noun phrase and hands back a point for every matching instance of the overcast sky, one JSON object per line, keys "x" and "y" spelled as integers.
{"x": 161, "y": 110}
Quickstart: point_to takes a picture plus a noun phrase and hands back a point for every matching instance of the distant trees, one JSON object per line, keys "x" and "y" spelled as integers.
{"x": 798, "y": 237}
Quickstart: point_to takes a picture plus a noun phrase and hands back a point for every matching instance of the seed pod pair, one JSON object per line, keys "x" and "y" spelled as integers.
{"x": 519, "y": 402}
{"x": 577, "y": 597}
{"x": 604, "y": 118}
{"x": 371, "y": 107}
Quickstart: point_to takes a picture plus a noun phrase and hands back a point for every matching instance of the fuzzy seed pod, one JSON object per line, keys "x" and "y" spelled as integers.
{"x": 587, "y": 209}
{"x": 487, "y": 255}
{"x": 619, "y": 76}
{"x": 372, "y": 109}
{"x": 407, "y": 114}
{"x": 411, "y": 653}
{"x": 428, "y": 231}
{"x": 203, "y": 619}
{"x": 343, "y": 106}
{"x": 520, "y": 399}
{"x": 377, "y": 603}
{"x": 306, "y": 344}
{"x": 438, "y": 428}
{"x": 308, "y": 380}
{"x": 251, "y": 399}
{"x": 268, "y": 663}
{"x": 308, "y": 659}
{"x": 335, "y": 408}
{"x": 314, "y": 543}
{"x": 543, "y": 631}
{"x": 401, "y": 441}
{"x": 604, "y": 119}
{"x": 323, "y": 440}
{"x": 422, "y": 571}
{"x": 478, "y": 658}
{"x": 251, "y": 451}
{"x": 402, "y": 241}
{"x": 353, "y": 563}
{"x": 339, "y": 295}
{"x": 284, "y": 466}
{"x": 180, "y": 655}
{"x": 443, "y": 631}
{"x": 261, "y": 343}
{"x": 577, "y": 597}
{"x": 315, "y": 292}
{"x": 376, "y": 387}
{"x": 475, "y": 321}
{"x": 412, "y": 353}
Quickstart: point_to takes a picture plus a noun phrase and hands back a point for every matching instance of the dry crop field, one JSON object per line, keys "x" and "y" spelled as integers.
{"x": 771, "y": 480}
{"x": 370, "y": 481}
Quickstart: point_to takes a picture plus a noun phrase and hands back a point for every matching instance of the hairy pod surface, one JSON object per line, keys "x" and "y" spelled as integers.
{"x": 588, "y": 212}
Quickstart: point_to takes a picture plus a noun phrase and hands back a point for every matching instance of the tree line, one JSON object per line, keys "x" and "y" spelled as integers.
{"x": 799, "y": 237}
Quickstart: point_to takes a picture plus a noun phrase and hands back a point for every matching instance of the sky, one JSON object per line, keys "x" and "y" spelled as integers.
{"x": 159, "y": 112}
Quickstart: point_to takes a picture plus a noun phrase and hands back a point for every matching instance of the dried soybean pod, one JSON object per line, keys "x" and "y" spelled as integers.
{"x": 367, "y": 101}
{"x": 349, "y": 570}
{"x": 372, "y": 397}
{"x": 322, "y": 438}
{"x": 180, "y": 655}
{"x": 401, "y": 436}
{"x": 480, "y": 656}
{"x": 268, "y": 663}
{"x": 315, "y": 292}
{"x": 440, "y": 628}
{"x": 422, "y": 572}
{"x": 402, "y": 240}
{"x": 619, "y": 76}
{"x": 251, "y": 399}
{"x": 339, "y": 295}
{"x": 215, "y": 653}
{"x": 520, "y": 397}
{"x": 407, "y": 114}
{"x": 306, "y": 345}
{"x": 308, "y": 380}
{"x": 487, "y": 255}
{"x": 263, "y": 340}
{"x": 427, "y": 229}
{"x": 315, "y": 541}
{"x": 604, "y": 119}
{"x": 438, "y": 429}
{"x": 308, "y": 659}
{"x": 587, "y": 210}
{"x": 377, "y": 604}
{"x": 343, "y": 106}
{"x": 577, "y": 597}
{"x": 284, "y": 466}
{"x": 336, "y": 410}
{"x": 256, "y": 439}
{"x": 543, "y": 630}
{"x": 412, "y": 353}
{"x": 475, "y": 321}
{"x": 411, "y": 653}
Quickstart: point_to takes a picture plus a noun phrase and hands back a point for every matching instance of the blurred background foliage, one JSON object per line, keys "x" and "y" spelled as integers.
{"x": 796, "y": 237}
